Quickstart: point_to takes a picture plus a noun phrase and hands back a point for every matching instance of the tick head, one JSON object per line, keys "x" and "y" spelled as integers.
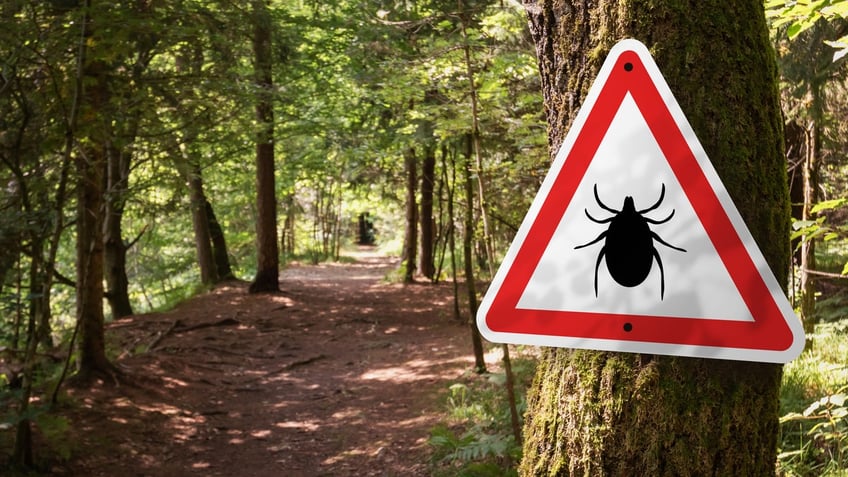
{"x": 628, "y": 205}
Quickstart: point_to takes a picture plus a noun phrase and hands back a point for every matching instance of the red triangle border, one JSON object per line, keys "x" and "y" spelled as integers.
{"x": 769, "y": 330}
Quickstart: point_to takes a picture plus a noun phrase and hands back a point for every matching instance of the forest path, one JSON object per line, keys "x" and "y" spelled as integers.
{"x": 340, "y": 374}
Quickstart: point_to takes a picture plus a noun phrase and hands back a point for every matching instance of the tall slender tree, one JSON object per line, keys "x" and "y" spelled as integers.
{"x": 268, "y": 260}
{"x": 91, "y": 169}
{"x": 468, "y": 257}
{"x": 410, "y": 240}
{"x": 602, "y": 413}
{"x": 428, "y": 233}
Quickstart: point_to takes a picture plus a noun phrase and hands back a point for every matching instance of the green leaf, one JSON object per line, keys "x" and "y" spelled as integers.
{"x": 838, "y": 8}
{"x": 802, "y": 224}
{"x": 813, "y": 407}
{"x": 792, "y": 416}
{"x": 837, "y": 399}
{"x": 829, "y": 205}
{"x": 793, "y": 30}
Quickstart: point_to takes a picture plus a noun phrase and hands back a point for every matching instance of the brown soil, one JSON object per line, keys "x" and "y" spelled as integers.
{"x": 341, "y": 374}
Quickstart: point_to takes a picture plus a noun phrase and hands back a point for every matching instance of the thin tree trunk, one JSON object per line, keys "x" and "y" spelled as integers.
{"x": 189, "y": 61}
{"x": 807, "y": 285}
{"x": 219, "y": 244}
{"x": 92, "y": 345}
{"x": 114, "y": 248}
{"x": 428, "y": 170}
{"x": 22, "y": 453}
{"x": 796, "y": 156}
{"x": 452, "y": 229}
{"x": 441, "y": 241}
{"x": 268, "y": 260}
{"x": 467, "y": 248}
{"x": 287, "y": 240}
{"x": 90, "y": 169}
{"x": 202, "y": 228}
{"x": 475, "y": 140}
{"x": 608, "y": 414}
{"x": 488, "y": 243}
{"x": 411, "y": 234}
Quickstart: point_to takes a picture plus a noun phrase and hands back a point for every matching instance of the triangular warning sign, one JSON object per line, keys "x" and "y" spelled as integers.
{"x": 633, "y": 244}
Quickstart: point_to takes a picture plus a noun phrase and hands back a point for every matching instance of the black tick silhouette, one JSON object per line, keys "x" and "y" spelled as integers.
{"x": 629, "y": 243}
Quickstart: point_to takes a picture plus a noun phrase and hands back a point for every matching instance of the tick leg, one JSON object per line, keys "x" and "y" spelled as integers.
{"x": 604, "y": 206}
{"x": 658, "y": 239}
{"x": 662, "y": 274}
{"x": 656, "y": 222}
{"x": 598, "y": 264}
{"x": 657, "y": 203}
{"x": 598, "y": 221}
{"x": 597, "y": 239}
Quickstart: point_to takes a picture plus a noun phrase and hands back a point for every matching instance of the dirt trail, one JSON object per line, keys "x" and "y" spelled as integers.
{"x": 339, "y": 375}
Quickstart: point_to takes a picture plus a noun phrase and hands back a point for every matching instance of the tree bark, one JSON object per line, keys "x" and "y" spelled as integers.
{"x": 91, "y": 169}
{"x": 488, "y": 243}
{"x": 411, "y": 234}
{"x": 219, "y": 244}
{"x": 427, "y": 265}
{"x": 202, "y": 229}
{"x": 119, "y": 153}
{"x": 115, "y": 250}
{"x": 601, "y": 413}
{"x": 467, "y": 250}
{"x": 812, "y": 164}
{"x": 89, "y": 264}
{"x": 267, "y": 252}
{"x": 287, "y": 240}
{"x": 451, "y": 227}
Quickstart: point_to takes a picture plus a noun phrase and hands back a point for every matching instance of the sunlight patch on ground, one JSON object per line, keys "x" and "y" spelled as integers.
{"x": 122, "y": 402}
{"x": 310, "y": 425}
{"x": 163, "y": 409}
{"x": 347, "y": 414}
{"x": 261, "y": 434}
{"x": 412, "y": 422}
{"x": 373, "y": 449}
{"x": 173, "y": 382}
{"x": 411, "y": 371}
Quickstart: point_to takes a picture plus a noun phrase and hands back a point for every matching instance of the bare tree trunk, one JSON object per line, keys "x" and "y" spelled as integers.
{"x": 219, "y": 244}
{"x": 202, "y": 228}
{"x": 268, "y": 260}
{"x": 287, "y": 240}
{"x": 92, "y": 346}
{"x": 811, "y": 168}
{"x": 475, "y": 140}
{"x": 119, "y": 153}
{"x": 115, "y": 250}
{"x": 467, "y": 248}
{"x": 451, "y": 231}
{"x": 411, "y": 234}
{"x": 91, "y": 169}
{"x": 428, "y": 171}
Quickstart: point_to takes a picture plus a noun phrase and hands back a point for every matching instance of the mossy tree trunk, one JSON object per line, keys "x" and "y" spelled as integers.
{"x": 599, "y": 413}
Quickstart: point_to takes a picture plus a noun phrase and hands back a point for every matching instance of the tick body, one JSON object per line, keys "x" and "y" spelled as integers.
{"x": 628, "y": 247}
